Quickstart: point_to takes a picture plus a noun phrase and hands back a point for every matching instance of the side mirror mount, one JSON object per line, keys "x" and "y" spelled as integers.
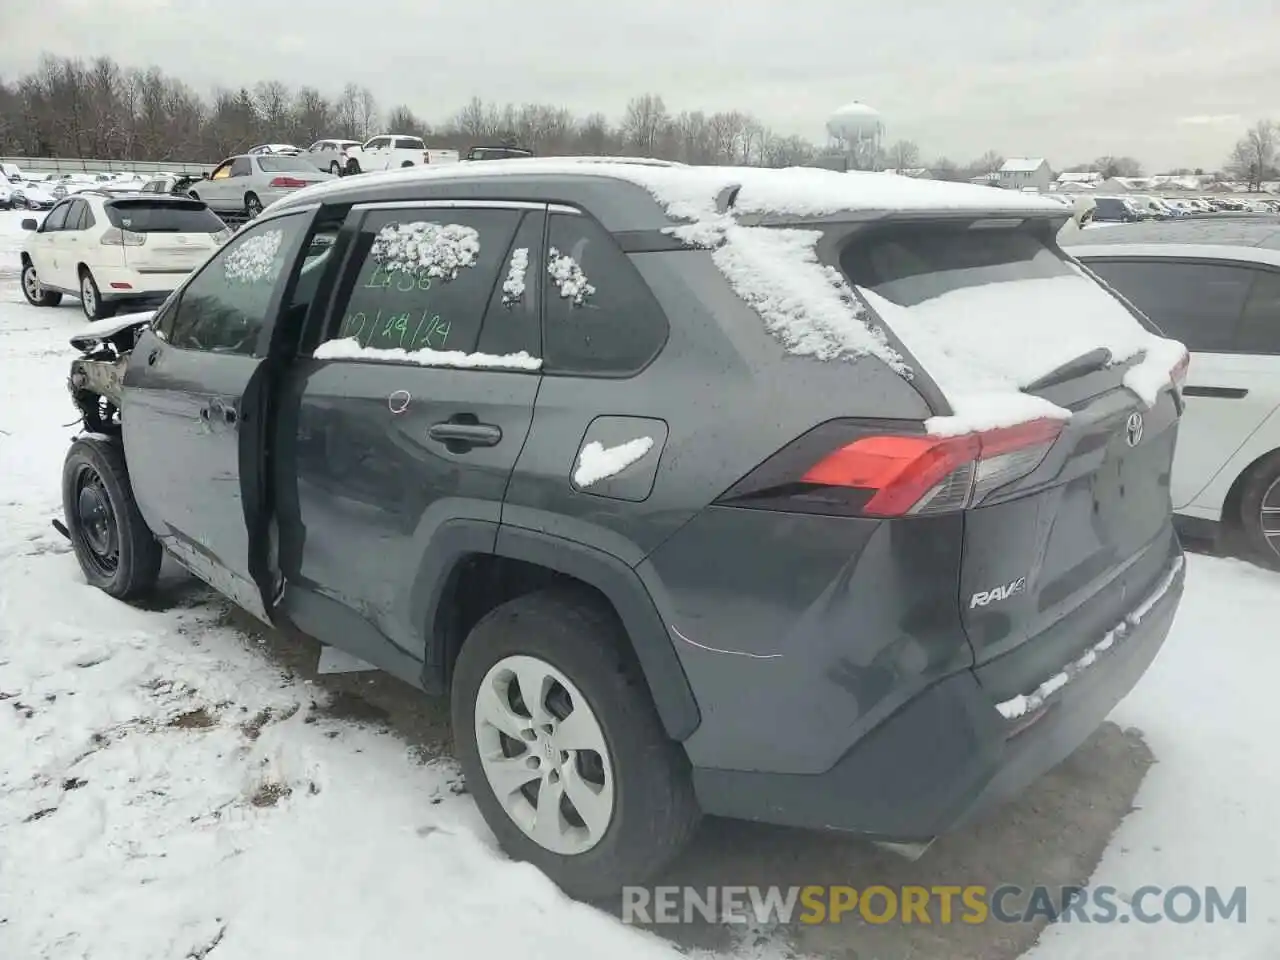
{"x": 205, "y": 175}
{"x": 30, "y": 224}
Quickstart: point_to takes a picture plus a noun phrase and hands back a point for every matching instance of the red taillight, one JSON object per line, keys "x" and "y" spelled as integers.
{"x": 925, "y": 474}
{"x": 288, "y": 182}
{"x": 893, "y": 474}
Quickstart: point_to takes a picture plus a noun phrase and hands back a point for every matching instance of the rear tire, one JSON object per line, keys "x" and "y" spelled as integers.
{"x": 1259, "y": 518}
{"x": 91, "y": 298}
{"x": 117, "y": 552}
{"x": 644, "y": 811}
{"x": 407, "y": 163}
{"x": 353, "y": 167}
{"x": 35, "y": 293}
{"x": 252, "y": 206}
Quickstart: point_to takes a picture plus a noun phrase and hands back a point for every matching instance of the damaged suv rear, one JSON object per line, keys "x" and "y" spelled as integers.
{"x": 820, "y": 499}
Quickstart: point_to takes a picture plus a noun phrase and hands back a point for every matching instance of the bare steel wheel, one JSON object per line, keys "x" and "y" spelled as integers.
{"x": 544, "y": 754}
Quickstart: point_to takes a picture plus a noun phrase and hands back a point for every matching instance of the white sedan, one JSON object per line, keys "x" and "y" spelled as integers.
{"x": 1214, "y": 285}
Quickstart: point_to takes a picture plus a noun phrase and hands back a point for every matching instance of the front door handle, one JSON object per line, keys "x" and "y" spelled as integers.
{"x": 452, "y": 432}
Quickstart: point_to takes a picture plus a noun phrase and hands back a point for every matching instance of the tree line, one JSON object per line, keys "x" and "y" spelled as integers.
{"x": 99, "y": 109}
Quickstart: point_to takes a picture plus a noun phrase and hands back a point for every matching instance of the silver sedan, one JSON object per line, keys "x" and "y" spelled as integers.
{"x": 245, "y": 185}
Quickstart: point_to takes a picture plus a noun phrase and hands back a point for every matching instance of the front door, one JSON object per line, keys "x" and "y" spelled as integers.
{"x": 182, "y": 403}
{"x": 45, "y": 252}
{"x": 406, "y": 421}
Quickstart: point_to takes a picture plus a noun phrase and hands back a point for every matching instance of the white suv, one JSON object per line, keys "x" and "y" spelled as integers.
{"x": 1214, "y": 285}
{"x": 387, "y": 151}
{"x": 110, "y": 250}
{"x": 328, "y": 155}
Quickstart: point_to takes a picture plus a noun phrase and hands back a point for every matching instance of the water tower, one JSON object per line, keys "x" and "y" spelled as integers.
{"x": 856, "y": 131}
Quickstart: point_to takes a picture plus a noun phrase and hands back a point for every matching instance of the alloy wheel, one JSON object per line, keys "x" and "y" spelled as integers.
{"x": 88, "y": 298}
{"x": 544, "y": 754}
{"x": 31, "y": 283}
{"x": 1269, "y": 517}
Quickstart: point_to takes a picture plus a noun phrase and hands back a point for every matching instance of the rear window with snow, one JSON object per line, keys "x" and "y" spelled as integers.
{"x": 163, "y": 216}
{"x": 425, "y": 278}
{"x": 599, "y": 315}
{"x": 286, "y": 165}
{"x": 908, "y": 265}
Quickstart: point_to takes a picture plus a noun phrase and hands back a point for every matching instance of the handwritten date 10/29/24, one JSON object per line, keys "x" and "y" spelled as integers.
{"x": 397, "y": 330}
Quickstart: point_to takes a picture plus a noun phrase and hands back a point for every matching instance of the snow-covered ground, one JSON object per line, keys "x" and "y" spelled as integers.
{"x": 164, "y": 787}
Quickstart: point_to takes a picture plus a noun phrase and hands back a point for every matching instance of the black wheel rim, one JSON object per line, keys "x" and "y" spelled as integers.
{"x": 95, "y": 530}
{"x": 1269, "y": 517}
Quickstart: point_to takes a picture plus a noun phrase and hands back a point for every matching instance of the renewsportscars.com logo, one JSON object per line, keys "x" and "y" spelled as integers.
{"x": 939, "y": 904}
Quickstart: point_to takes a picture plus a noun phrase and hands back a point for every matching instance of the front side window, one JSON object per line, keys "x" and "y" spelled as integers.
{"x": 222, "y": 309}
{"x": 1198, "y": 304}
{"x": 425, "y": 279}
{"x": 57, "y": 218}
{"x": 599, "y": 315}
{"x": 221, "y": 173}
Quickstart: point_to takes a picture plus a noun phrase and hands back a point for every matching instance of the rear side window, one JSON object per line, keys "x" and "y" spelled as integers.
{"x": 1197, "y": 303}
{"x": 1259, "y": 330}
{"x": 409, "y": 143}
{"x": 909, "y": 265}
{"x": 150, "y": 216}
{"x": 599, "y": 316}
{"x": 425, "y": 279}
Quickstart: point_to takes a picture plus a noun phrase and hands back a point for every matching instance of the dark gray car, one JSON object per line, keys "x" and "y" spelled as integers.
{"x": 516, "y": 432}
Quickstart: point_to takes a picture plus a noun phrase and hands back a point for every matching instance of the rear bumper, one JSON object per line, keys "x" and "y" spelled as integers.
{"x": 120, "y": 283}
{"x": 954, "y": 752}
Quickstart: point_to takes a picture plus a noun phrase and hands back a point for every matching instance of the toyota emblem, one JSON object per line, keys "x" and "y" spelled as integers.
{"x": 1133, "y": 429}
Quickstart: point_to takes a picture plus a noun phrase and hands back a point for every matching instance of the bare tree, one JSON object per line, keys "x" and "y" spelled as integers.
{"x": 367, "y": 112}
{"x": 1110, "y": 166}
{"x": 945, "y": 169}
{"x": 1253, "y": 157}
{"x": 904, "y": 155}
{"x": 643, "y": 122}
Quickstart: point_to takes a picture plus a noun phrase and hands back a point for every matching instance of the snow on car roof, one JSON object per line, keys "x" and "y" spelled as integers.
{"x": 797, "y": 191}
{"x": 813, "y": 311}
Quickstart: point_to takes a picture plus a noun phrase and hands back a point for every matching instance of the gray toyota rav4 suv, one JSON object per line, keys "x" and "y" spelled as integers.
{"x": 831, "y": 500}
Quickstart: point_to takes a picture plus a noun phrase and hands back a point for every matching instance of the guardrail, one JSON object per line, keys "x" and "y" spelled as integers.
{"x": 82, "y": 165}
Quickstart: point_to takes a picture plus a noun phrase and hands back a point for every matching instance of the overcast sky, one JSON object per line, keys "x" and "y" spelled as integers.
{"x": 1172, "y": 82}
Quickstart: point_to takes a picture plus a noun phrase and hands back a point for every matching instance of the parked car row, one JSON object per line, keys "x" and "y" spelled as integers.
{"x": 386, "y": 151}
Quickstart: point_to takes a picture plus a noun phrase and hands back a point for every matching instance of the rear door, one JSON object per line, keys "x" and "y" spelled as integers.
{"x": 182, "y": 403}
{"x": 1229, "y": 391}
{"x": 400, "y": 420}
{"x": 73, "y": 244}
{"x": 176, "y": 235}
{"x": 1066, "y": 527}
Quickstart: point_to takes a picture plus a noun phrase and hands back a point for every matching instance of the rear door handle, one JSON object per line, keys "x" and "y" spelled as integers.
{"x": 471, "y": 434}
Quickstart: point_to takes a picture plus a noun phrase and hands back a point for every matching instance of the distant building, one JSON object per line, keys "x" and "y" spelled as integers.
{"x": 1019, "y": 173}
{"x": 1080, "y": 178}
